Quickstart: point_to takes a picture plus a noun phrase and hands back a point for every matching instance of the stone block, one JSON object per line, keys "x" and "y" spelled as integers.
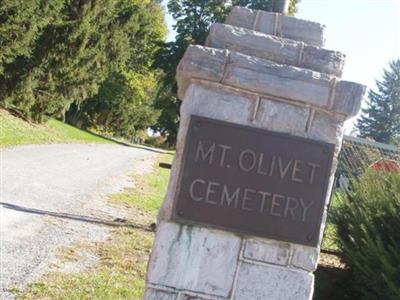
{"x": 241, "y": 17}
{"x": 194, "y": 258}
{"x": 304, "y": 257}
{"x": 201, "y": 297}
{"x": 268, "y": 23}
{"x": 327, "y": 128}
{"x": 200, "y": 62}
{"x": 218, "y": 102}
{"x": 280, "y": 50}
{"x": 322, "y": 60}
{"x": 348, "y": 97}
{"x": 266, "y": 77}
{"x": 253, "y": 43}
{"x": 154, "y": 294}
{"x": 282, "y": 117}
{"x": 267, "y": 282}
{"x": 267, "y": 251}
{"x": 302, "y": 30}
{"x": 276, "y": 24}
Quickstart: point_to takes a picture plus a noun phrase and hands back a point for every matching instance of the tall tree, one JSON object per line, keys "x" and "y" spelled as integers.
{"x": 193, "y": 19}
{"x": 381, "y": 119}
{"x": 77, "y": 45}
{"x": 124, "y": 103}
{"x": 21, "y": 24}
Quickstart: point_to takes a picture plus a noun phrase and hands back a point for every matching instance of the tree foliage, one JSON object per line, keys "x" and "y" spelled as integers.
{"x": 193, "y": 19}
{"x": 381, "y": 119}
{"x": 367, "y": 222}
{"x": 123, "y": 106}
{"x": 59, "y": 52}
{"x": 22, "y": 22}
{"x": 124, "y": 103}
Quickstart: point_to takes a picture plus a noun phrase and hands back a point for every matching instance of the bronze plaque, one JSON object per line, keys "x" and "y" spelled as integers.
{"x": 253, "y": 181}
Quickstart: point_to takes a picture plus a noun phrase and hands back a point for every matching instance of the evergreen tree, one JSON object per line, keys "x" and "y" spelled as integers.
{"x": 193, "y": 19}
{"x": 67, "y": 61}
{"x": 21, "y": 24}
{"x": 381, "y": 119}
{"x": 124, "y": 103}
{"x": 366, "y": 222}
{"x": 77, "y": 45}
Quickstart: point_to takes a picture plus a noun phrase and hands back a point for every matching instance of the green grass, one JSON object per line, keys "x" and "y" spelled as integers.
{"x": 119, "y": 275}
{"x": 121, "y": 270}
{"x": 154, "y": 187}
{"x": 330, "y": 238}
{"x": 330, "y": 234}
{"x": 15, "y": 131}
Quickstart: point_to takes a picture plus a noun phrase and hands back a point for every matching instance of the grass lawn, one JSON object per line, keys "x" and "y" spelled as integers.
{"x": 119, "y": 274}
{"x": 15, "y": 131}
{"x": 121, "y": 269}
{"x": 330, "y": 238}
{"x": 154, "y": 189}
{"x": 330, "y": 235}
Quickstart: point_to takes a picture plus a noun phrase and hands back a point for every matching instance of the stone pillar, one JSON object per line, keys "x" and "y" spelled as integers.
{"x": 262, "y": 70}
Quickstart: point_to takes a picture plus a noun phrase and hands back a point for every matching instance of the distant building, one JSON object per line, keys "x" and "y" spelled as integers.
{"x": 386, "y": 165}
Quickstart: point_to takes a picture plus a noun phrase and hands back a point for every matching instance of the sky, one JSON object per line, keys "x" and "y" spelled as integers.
{"x": 367, "y": 31}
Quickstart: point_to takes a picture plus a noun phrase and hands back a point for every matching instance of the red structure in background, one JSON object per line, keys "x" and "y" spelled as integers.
{"x": 386, "y": 165}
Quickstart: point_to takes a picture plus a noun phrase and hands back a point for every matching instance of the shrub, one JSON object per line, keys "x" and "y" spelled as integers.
{"x": 367, "y": 221}
{"x": 157, "y": 141}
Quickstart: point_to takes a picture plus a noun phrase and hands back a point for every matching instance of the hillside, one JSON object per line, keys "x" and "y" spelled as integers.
{"x": 15, "y": 131}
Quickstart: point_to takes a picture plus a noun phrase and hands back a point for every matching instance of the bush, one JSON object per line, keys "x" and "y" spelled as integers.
{"x": 367, "y": 221}
{"x": 157, "y": 141}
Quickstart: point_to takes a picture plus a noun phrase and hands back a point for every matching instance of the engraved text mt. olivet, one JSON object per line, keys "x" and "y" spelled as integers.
{"x": 253, "y": 181}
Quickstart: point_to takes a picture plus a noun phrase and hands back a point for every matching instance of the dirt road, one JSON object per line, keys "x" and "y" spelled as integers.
{"x": 54, "y": 195}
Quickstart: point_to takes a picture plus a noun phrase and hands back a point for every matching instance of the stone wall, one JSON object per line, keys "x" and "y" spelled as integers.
{"x": 251, "y": 75}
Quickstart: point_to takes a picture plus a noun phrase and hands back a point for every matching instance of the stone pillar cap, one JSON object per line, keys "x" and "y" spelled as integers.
{"x": 278, "y": 24}
{"x": 265, "y": 77}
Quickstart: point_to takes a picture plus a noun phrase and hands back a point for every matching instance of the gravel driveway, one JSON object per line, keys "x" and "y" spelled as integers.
{"x": 54, "y": 195}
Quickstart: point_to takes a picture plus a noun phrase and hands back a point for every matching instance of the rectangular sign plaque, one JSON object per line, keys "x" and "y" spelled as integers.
{"x": 253, "y": 181}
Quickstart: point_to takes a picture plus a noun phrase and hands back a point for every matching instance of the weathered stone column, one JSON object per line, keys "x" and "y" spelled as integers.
{"x": 265, "y": 71}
